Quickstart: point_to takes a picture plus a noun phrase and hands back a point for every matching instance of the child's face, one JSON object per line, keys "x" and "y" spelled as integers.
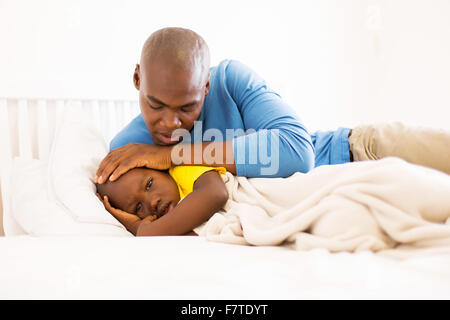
{"x": 141, "y": 191}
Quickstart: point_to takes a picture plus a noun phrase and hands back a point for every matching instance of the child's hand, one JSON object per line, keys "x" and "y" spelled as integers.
{"x": 130, "y": 221}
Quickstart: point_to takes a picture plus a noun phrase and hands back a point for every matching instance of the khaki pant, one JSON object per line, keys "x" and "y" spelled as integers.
{"x": 423, "y": 146}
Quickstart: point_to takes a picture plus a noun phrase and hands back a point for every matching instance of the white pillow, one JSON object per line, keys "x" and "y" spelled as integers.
{"x": 60, "y": 195}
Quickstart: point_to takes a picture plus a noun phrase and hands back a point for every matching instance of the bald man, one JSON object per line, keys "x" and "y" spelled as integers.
{"x": 179, "y": 90}
{"x": 232, "y": 119}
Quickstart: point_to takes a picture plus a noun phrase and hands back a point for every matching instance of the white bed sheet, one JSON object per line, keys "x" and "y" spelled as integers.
{"x": 194, "y": 268}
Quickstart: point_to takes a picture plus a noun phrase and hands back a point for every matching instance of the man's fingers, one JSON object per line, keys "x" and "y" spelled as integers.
{"x": 130, "y": 156}
{"x": 105, "y": 160}
{"x": 113, "y": 157}
{"x": 122, "y": 168}
{"x": 112, "y": 163}
{"x": 101, "y": 171}
{"x": 106, "y": 172}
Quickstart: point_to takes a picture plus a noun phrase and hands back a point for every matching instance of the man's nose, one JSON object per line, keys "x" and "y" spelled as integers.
{"x": 170, "y": 120}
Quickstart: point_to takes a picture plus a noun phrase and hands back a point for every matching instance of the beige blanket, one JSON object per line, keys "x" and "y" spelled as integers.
{"x": 382, "y": 205}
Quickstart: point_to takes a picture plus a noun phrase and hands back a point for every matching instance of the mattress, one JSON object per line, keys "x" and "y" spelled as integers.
{"x": 192, "y": 267}
{"x": 187, "y": 267}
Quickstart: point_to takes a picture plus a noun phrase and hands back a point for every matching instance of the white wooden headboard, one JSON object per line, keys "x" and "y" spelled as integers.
{"x": 27, "y": 126}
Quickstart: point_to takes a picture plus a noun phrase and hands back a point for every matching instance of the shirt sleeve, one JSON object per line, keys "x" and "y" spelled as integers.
{"x": 185, "y": 176}
{"x": 279, "y": 144}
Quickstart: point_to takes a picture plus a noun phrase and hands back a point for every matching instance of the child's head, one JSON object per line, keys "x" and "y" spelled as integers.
{"x": 142, "y": 191}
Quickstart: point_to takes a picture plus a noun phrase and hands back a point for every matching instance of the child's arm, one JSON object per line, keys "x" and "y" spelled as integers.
{"x": 209, "y": 195}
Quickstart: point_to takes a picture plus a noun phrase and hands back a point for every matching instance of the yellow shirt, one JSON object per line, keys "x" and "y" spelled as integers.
{"x": 185, "y": 176}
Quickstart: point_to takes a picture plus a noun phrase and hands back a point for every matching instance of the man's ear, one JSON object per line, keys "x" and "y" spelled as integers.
{"x": 207, "y": 86}
{"x": 137, "y": 77}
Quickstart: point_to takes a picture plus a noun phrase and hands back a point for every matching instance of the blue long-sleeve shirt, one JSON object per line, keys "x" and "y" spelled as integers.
{"x": 272, "y": 141}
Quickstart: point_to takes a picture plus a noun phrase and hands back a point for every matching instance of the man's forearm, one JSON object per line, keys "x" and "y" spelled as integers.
{"x": 273, "y": 153}
{"x": 213, "y": 154}
{"x": 264, "y": 153}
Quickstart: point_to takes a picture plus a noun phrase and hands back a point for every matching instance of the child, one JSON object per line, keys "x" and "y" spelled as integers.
{"x": 147, "y": 201}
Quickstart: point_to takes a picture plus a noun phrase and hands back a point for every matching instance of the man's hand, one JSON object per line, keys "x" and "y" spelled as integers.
{"x": 130, "y": 156}
{"x": 130, "y": 221}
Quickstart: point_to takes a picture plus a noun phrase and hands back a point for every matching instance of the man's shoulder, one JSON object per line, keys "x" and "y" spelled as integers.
{"x": 234, "y": 73}
{"x": 228, "y": 65}
{"x": 135, "y": 131}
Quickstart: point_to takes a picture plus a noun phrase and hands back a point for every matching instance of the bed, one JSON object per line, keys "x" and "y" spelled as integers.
{"x": 73, "y": 258}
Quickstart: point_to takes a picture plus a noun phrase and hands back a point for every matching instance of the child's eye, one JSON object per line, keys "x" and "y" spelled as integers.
{"x": 149, "y": 184}
{"x": 138, "y": 207}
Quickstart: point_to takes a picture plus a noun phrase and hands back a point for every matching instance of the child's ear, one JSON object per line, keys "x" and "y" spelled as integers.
{"x": 137, "y": 77}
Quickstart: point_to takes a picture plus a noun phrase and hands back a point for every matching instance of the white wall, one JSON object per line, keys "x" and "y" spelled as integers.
{"x": 339, "y": 63}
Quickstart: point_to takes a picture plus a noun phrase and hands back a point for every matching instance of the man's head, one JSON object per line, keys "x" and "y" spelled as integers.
{"x": 173, "y": 80}
{"x": 141, "y": 191}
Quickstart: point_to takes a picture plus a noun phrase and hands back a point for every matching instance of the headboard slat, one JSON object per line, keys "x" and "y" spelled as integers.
{"x": 27, "y": 126}
{"x": 5, "y": 139}
{"x": 43, "y": 130}
{"x": 25, "y": 150}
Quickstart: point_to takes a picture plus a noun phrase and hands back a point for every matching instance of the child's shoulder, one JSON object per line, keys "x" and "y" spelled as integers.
{"x": 193, "y": 171}
{"x": 185, "y": 176}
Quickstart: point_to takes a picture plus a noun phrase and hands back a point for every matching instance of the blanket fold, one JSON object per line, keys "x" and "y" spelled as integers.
{"x": 368, "y": 205}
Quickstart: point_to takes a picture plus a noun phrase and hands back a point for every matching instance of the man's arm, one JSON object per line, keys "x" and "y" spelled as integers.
{"x": 280, "y": 145}
{"x": 275, "y": 143}
{"x": 278, "y": 128}
{"x": 212, "y": 154}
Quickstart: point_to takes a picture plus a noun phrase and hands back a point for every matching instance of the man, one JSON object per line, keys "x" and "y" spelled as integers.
{"x": 180, "y": 93}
